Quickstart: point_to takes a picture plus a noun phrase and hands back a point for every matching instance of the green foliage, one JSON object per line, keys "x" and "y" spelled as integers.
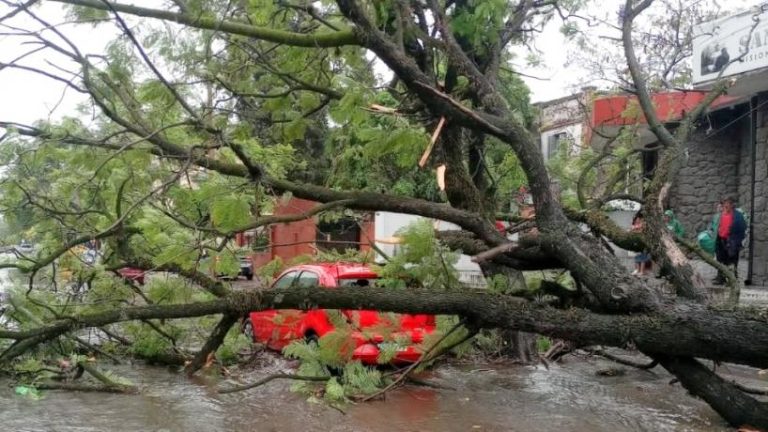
{"x": 173, "y": 290}
{"x": 422, "y": 259}
{"x": 310, "y": 366}
{"x": 481, "y": 22}
{"x": 249, "y": 95}
{"x": 543, "y": 344}
{"x": 387, "y": 353}
{"x": 235, "y": 342}
{"x": 570, "y": 29}
{"x": 28, "y": 392}
{"x": 148, "y": 343}
{"x": 378, "y": 152}
{"x": 518, "y": 97}
{"x": 361, "y": 380}
{"x": 335, "y": 348}
{"x": 501, "y": 284}
{"x": 405, "y": 143}
{"x": 618, "y": 168}
{"x": 334, "y": 391}
{"x": 85, "y": 14}
{"x": 353, "y": 379}
{"x": 32, "y": 370}
{"x": 301, "y": 350}
{"x": 488, "y": 343}
{"x": 269, "y": 270}
{"x": 227, "y": 263}
{"x": 566, "y": 167}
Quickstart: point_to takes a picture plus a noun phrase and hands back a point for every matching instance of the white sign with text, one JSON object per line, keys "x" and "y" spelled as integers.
{"x": 732, "y": 45}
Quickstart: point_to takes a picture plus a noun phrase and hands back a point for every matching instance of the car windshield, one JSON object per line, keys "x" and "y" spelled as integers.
{"x": 357, "y": 282}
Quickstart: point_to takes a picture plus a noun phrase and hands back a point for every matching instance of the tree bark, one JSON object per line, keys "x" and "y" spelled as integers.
{"x": 212, "y": 344}
{"x": 736, "y": 406}
{"x": 335, "y": 39}
{"x": 518, "y": 345}
{"x": 684, "y": 329}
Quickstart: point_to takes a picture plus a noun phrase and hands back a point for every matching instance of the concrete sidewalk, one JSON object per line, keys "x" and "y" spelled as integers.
{"x": 750, "y": 295}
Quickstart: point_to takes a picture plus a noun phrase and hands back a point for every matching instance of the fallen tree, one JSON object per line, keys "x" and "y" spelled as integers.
{"x": 168, "y": 176}
{"x": 737, "y": 336}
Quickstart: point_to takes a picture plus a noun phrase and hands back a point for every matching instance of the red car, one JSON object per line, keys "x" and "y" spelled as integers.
{"x": 133, "y": 274}
{"x": 371, "y": 329}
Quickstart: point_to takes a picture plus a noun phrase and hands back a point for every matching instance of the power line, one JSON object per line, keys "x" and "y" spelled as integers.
{"x": 727, "y": 125}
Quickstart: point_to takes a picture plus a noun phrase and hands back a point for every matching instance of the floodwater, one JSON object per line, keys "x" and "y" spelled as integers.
{"x": 567, "y": 397}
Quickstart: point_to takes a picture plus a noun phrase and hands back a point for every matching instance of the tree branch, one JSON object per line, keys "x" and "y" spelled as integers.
{"x": 273, "y": 377}
{"x": 212, "y": 344}
{"x": 317, "y": 40}
{"x": 737, "y": 336}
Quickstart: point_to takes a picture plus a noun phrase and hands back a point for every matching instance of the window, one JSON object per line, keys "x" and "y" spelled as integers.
{"x": 554, "y": 141}
{"x": 286, "y": 280}
{"x": 308, "y": 279}
{"x": 357, "y": 282}
{"x": 338, "y": 235}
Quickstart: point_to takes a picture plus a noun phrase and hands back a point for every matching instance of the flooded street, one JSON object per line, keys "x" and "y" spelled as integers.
{"x": 567, "y": 397}
{"x": 495, "y": 397}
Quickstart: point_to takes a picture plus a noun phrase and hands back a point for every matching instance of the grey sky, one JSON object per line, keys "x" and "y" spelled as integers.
{"x": 27, "y": 97}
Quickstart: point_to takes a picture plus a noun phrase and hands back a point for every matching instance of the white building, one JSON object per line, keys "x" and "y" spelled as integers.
{"x": 562, "y": 122}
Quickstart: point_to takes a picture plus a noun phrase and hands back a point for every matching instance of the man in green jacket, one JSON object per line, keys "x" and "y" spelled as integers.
{"x": 673, "y": 224}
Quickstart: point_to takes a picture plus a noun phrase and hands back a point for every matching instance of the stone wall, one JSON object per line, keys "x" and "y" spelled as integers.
{"x": 719, "y": 165}
{"x": 760, "y": 222}
{"x": 709, "y": 172}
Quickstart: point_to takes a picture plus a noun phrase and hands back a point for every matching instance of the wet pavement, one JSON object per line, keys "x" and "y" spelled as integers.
{"x": 567, "y": 397}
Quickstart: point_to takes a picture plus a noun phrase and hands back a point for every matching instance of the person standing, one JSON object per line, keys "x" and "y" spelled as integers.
{"x": 642, "y": 260}
{"x": 731, "y": 228}
{"x": 673, "y": 224}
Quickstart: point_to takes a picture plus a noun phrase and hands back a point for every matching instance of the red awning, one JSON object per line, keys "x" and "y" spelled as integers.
{"x": 609, "y": 113}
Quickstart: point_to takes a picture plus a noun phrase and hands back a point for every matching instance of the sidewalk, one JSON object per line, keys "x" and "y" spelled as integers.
{"x": 750, "y": 295}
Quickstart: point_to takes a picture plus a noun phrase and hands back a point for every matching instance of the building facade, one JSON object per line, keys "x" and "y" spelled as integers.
{"x": 562, "y": 122}
{"x": 726, "y": 157}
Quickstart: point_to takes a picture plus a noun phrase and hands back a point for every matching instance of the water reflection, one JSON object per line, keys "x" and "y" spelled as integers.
{"x": 568, "y": 397}
{"x": 565, "y": 398}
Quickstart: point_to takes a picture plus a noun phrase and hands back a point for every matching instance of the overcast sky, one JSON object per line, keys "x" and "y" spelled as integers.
{"x": 26, "y": 97}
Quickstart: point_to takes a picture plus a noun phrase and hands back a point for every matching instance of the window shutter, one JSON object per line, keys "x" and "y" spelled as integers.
{"x": 552, "y": 142}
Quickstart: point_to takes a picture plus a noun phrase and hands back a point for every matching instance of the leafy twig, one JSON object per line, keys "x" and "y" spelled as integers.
{"x": 271, "y": 378}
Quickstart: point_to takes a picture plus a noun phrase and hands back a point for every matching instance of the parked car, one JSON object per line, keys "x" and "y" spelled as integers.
{"x": 278, "y": 328}
{"x": 132, "y": 274}
{"x": 246, "y": 267}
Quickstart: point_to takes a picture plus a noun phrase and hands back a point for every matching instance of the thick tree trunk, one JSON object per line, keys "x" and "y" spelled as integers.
{"x": 460, "y": 188}
{"x": 518, "y": 345}
{"x": 679, "y": 330}
{"x": 736, "y": 407}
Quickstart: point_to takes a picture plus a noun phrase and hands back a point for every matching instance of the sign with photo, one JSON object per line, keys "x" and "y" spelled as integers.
{"x": 732, "y": 45}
